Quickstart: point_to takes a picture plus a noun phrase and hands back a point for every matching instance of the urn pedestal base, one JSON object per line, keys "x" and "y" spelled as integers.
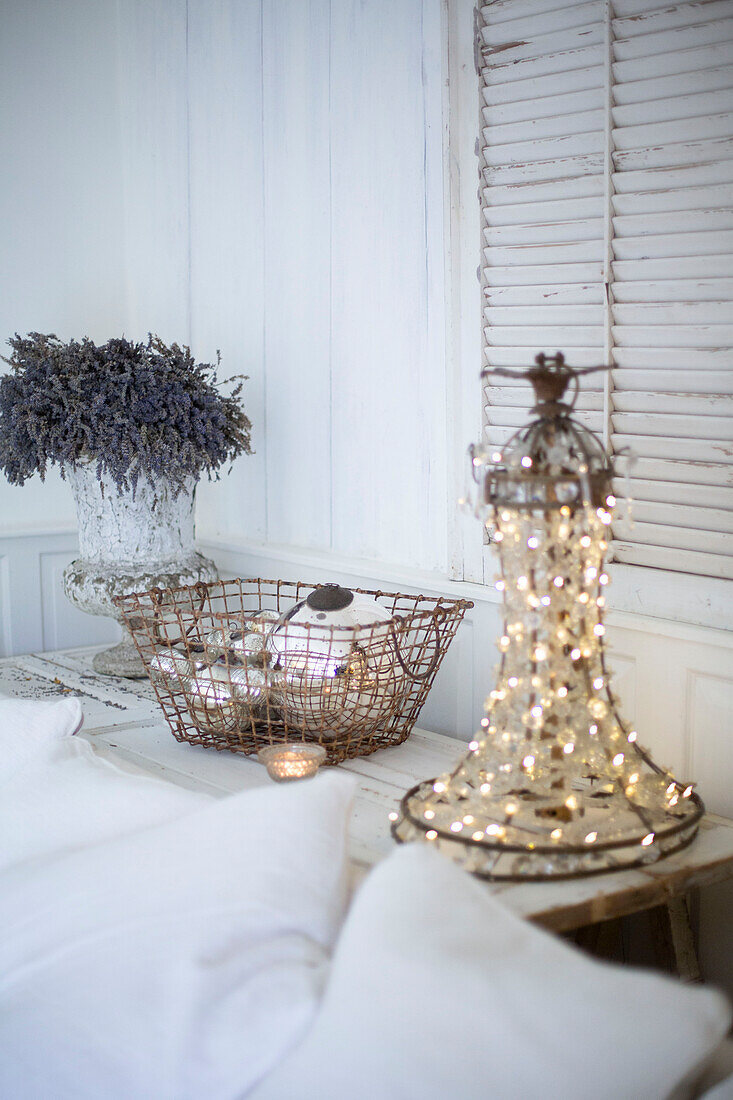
{"x": 92, "y": 587}
{"x": 120, "y": 660}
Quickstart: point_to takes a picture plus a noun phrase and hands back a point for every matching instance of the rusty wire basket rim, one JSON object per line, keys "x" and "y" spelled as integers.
{"x": 415, "y": 635}
{"x": 203, "y": 587}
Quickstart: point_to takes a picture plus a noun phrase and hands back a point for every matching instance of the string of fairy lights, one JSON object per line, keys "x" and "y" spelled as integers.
{"x": 555, "y": 783}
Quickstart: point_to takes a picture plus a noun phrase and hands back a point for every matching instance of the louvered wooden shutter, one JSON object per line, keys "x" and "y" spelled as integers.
{"x": 607, "y": 175}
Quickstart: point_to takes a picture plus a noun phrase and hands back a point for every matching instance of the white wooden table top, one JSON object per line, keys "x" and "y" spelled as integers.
{"x": 123, "y": 721}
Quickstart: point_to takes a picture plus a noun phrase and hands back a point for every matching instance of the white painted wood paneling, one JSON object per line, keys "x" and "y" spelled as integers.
{"x": 34, "y": 612}
{"x": 63, "y": 625}
{"x": 226, "y": 234}
{"x": 5, "y": 604}
{"x": 61, "y": 263}
{"x": 297, "y": 222}
{"x": 387, "y": 344}
{"x": 151, "y": 42}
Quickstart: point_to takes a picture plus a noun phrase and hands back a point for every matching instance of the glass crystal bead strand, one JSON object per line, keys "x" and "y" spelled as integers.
{"x": 555, "y": 784}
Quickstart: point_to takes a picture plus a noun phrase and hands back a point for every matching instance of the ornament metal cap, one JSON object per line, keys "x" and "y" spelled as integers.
{"x": 555, "y": 784}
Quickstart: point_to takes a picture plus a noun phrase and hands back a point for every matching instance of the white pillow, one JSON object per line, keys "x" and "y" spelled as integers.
{"x": 180, "y": 961}
{"x": 437, "y": 991}
{"x": 29, "y": 727}
{"x": 56, "y": 794}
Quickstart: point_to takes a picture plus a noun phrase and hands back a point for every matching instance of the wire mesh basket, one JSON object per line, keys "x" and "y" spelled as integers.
{"x": 233, "y": 670}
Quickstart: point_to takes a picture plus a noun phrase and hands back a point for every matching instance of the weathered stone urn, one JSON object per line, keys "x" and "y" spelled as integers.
{"x": 130, "y": 544}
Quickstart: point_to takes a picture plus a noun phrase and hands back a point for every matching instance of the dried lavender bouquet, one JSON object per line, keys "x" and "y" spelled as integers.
{"x": 139, "y": 409}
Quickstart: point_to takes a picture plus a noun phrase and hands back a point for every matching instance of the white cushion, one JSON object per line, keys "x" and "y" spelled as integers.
{"x": 437, "y": 991}
{"x": 29, "y": 727}
{"x": 175, "y": 961}
{"x": 56, "y": 794}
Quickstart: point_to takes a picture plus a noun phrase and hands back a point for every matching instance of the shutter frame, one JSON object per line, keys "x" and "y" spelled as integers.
{"x": 607, "y": 232}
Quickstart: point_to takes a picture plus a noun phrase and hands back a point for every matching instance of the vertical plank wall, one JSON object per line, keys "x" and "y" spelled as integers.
{"x": 292, "y": 151}
{"x": 61, "y": 262}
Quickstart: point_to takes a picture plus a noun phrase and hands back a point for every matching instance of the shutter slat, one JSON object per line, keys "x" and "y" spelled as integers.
{"x": 545, "y": 149}
{"x": 522, "y": 397}
{"x": 508, "y": 11}
{"x": 553, "y": 274}
{"x": 538, "y": 22}
{"x": 537, "y": 255}
{"x": 686, "y": 358}
{"x": 674, "y": 154}
{"x": 672, "y": 225}
{"x": 544, "y": 47}
{"x": 531, "y": 87}
{"x": 543, "y": 315}
{"x": 675, "y": 472}
{"x": 536, "y": 337}
{"x": 547, "y": 107}
{"x": 645, "y": 21}
{"x": 707, "y": 243}
{"x": 663, "y": 178}
{"x": 512, "y": 417}
{"x": 695, "y": 128}
{"x": 683, "y": 561}
{"x": 666, "y": 336}
{"x": 684, "y": 61}
{"x": 514, "y": 133}
{"x": 558, "y": 168}
{"x": 520, "y": 355}
{"x": 708, "y": 496}
{"x": 540, "y": 294}
{"x": 581, "y": 53}
{"x": 697, "y": 450}
{"x": 539, "y": 213}
{"x": 676, "y": 514}
{"x": 678, "y": 198}
{"x": 686, "y": 267}
{"x": 679, "y": 428}
{"x": 660, "y": 88}
{"x": 674, "y": 536}
{"x": 675, "y": 290}
{"x": 660, "y": 384}
{"x": 530, "y": 192}
{"x": 678, "y": 403}
{"x": 674, "y": 107}
{"x": 550, "y": 232}
{"x": 664, "y": 42}
{"x": 673, "y": 313}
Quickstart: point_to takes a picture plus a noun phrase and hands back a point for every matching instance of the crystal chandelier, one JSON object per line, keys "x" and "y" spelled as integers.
{"x": 556, "y": 784}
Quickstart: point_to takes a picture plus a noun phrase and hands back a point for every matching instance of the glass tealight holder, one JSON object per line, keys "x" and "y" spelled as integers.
{"x": 294, "y": 760}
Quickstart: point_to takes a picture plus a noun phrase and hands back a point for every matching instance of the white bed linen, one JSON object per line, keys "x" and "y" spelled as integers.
{"x": 437, "y": 991}
{"x": 172, "y": 961}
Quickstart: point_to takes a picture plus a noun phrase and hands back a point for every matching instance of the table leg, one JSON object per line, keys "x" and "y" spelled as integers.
{"x": 683, "y": 940}
{"x": 673, "y": 940}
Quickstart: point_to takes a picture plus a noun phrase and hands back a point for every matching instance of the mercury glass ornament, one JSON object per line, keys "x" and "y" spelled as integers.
{"x": 556, "y": 783}
{"x": 171, "y": 669}
{"x": 237, "y": 643}
{"x": 337, "y": 679}
{"x": 263, "y": 621}
{"x": 222, "y": 699}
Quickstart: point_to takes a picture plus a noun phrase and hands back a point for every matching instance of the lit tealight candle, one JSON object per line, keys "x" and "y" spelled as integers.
{"x": 291, "y": 761}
